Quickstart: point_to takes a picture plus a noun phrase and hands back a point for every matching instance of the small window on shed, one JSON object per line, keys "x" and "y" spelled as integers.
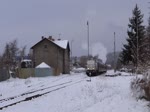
{"x": 45, "y": 46}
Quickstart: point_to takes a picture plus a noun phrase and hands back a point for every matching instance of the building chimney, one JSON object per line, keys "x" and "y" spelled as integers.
{"x": 50, "y": 38}
{"x": 42, "y": 37}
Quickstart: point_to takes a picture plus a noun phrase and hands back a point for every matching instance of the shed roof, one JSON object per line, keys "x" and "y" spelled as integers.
{"x": 43, "y": 65}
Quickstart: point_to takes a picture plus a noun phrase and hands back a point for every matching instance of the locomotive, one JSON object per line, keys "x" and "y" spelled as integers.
{"x": 95, "y": 67}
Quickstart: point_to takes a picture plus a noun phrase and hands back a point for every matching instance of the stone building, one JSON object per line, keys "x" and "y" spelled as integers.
{"x": 55, "y": 53}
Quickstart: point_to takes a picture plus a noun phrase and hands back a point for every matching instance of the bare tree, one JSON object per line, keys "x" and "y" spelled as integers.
{"x": 22, "y": 52}
{"x": 6, "y": 56}
{"x": 10, "y": 54}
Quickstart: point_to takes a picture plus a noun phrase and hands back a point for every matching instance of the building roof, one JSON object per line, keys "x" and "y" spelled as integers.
{"x": 60, "y": 43}
{"x": 43, "y": 65}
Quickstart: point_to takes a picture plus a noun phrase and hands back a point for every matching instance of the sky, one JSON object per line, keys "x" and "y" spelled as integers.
{"x": 28, "y": 20}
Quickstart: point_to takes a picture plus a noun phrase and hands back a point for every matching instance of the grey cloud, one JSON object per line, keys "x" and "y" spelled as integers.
{"x": 28, "y": 20}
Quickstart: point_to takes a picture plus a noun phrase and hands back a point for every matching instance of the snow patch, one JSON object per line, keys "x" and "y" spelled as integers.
{"x": 102, "y": 94}
{"x": 111, "y": 73}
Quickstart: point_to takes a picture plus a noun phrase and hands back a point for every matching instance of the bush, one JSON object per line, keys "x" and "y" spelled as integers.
{"x": 141, "y": 86}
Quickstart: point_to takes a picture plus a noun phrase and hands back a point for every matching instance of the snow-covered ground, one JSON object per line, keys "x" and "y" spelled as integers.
{"x": 71, "y": 93}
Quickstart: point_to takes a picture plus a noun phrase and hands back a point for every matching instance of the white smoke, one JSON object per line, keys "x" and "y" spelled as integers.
{"x": 84, "y": 46}
{"x": 100, "y": 50}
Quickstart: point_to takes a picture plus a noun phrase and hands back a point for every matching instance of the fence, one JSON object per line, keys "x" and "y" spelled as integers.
{"x": 25, "y": 72}
{"x": 42, "y": 72}
{"x": 34, "y": 72}
{"x": 4, "y": 74}
{"x": 28, "y": 72}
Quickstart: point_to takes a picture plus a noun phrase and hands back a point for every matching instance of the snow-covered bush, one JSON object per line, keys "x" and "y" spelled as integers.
{"x": 78, "y": 70}
{"x": 141, "y": 86}
{"x": 27, "y": 81}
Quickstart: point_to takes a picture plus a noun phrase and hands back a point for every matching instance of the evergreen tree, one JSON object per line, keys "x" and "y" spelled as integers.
{"x": 133, "y": 50}
{"x": 148, "y": 29}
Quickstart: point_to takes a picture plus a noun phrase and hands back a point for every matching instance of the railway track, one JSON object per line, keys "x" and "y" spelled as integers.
{"x": 23, "y": 94}
{"x": 39, "y": 85}
{"x": 7, "y": 102}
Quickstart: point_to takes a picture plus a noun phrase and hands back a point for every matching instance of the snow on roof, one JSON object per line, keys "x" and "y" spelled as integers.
{"x": 61, "y": 43}
{"x": 25, "y": 60}
{"x": 43, "y": 65}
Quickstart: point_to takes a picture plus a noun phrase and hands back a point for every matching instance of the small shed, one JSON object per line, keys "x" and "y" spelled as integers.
{"x": 43, "y": 70}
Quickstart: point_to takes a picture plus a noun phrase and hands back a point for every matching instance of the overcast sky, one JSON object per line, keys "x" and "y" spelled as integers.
{"x": 28, "y": 20}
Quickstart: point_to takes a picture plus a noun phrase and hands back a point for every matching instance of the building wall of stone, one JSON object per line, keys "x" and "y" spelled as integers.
{"x": 49, "y": 53}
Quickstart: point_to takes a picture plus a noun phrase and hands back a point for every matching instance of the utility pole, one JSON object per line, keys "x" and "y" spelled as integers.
{"x": 71, "y": 57}
{"x": 88, "y": 37}
{"x": 71, "y": 47}
{"x": 59, "y": 35}
{"x": 149, "y": 7}
{"x": 71, "y": 50}
{"x": 114, "y": 51}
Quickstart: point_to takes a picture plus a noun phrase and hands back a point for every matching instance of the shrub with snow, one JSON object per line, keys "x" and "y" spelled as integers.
{"x": 141, "y": 86}
{"x": 27, "y": 81}
{"x": 78, "y": 70}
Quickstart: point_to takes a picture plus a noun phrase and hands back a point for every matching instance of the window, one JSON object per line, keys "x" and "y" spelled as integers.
{"x": 45, "y": 46}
